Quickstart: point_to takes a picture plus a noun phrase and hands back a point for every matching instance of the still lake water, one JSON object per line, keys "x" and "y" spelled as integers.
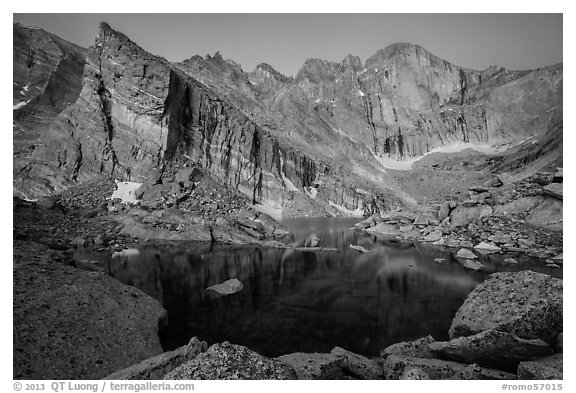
{"x": 296, "y": 301}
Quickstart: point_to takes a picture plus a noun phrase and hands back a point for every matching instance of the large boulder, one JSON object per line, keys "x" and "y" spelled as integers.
{"x": 466, "y": 254}
{"x": 158, "y": 366}
{"x": 418, "y": 348}
{"x": 548, "y": 214}
{"x": 491, "y": 348}
{"x": 554, "y": 189}
{"x": 462, "y": 215}
{"x": 433, "y": 236}
{"x": 227, "y": 287}
{"x": 229, "y": 361}
{"x": 414, "y": 374}
{"x": 314, "y": 365}
{"x": 549, "y": 367}
{"x": 444, "y": 210}
{"x": 384, "y": 231}
{"x": 356, "y": 365}
{"x": 73, "y": 324}
{"x": 487, "y": 247}
{"x": 470, "y": 372}
{"x": 518, "y": 206}
{"x": 494, "y": 182}
{"x": 369, "y": 222}
{"x": 395, "y": 365}
{"x": 526, "y": 303}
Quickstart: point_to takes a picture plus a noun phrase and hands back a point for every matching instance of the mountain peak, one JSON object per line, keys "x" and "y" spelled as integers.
{"x": 350, "y": 62}
{"x": 317, "y": 70}
{"x": 405, "y": 51}
{"x": 265, "y": 67}
{"x": 112, "y": 39}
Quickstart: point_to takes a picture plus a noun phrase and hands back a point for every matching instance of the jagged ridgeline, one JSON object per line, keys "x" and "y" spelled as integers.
{"x": 316, "y": 137}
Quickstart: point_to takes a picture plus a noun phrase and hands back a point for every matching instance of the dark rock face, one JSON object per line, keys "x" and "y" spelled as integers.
{"x": 229, "y": 361}
{"x": 491, "y": 348}
{"x": 526, "y": 304}
{"x": 158, "y": 366}
{"x": 315, "y": 365}
{"x": 396, "y": 365}
{"x": 74, "y": 324}
{"x": 356, "y": 365}
{"x": 417, "y": 348}
{"x": 550, "y": 367}
{"x": 471, "y": 372}
{"x": 47, "y": 78}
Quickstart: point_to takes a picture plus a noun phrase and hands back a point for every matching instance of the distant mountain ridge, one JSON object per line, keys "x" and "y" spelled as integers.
{"x": 315, "y": 137}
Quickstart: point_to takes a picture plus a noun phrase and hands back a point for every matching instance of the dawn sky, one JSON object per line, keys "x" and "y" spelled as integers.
{"x": 285, "y": 41}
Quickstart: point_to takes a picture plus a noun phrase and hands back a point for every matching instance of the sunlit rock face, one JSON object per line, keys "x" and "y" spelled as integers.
{"x": 406, "y": 101}
{"x": 308, "y": 144}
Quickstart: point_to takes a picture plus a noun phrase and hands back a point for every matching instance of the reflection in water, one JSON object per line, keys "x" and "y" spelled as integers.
{"x": 306, "y": 301}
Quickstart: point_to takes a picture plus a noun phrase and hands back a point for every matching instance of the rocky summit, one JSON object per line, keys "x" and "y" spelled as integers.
{"x": 314, "y": 144}
{"x": 116, "y": 148}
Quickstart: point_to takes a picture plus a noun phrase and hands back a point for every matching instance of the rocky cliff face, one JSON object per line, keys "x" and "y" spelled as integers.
{"x": 312, "y": 140}
{"x": 46, "y": 79}
{"x": 406, "y": 101}
{"x": 137, "y": 113}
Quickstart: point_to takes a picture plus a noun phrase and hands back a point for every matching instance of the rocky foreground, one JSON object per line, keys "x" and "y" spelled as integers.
{"x": 72, "y": 321}
{"x": 86, "y": 325}
{"x": 509, "y": 327}
{"x": 524, "y": 217}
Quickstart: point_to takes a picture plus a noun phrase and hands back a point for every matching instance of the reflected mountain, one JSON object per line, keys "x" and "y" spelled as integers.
{"x": 306, "y": 301}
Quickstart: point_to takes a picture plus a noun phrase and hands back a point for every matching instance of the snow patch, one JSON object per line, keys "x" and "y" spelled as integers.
{"x": 126, "y": 191}
{"x": 358, "y": 213}
{"x": 19, "y": 105}
{"x": 127, "y": 253}
{"x": 311, "y": 192}
{"x": 275, "y": 213}
{"x": 361, "y": 93}
{"x": 390, "y": 163}
{"x": 403, "y": 165}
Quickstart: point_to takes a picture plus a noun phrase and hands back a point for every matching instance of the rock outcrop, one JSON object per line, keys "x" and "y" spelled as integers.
{"x": 137, "y": 112}
{"x": 550, "y": 367}
{"x": 229, "y": 361}
{"x": 74, "y": 324}
{"x": 47, "y": 78}
{"x": 315, "y": 365}
{"x": 356, "y": 365}
{"x": 158, "y": 366}
{"x": 305, "y": 144}
{"x": 417, "y": 348}
{"x": 491, "y": 348}
{"x": 526, "y": 304}
{"x": 396, "y": 365}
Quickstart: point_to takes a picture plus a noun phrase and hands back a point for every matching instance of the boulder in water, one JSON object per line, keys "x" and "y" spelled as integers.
{"x": 227, "y": 287}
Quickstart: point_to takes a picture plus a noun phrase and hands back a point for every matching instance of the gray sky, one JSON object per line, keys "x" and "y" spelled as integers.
{"x": 285, "y": 41}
